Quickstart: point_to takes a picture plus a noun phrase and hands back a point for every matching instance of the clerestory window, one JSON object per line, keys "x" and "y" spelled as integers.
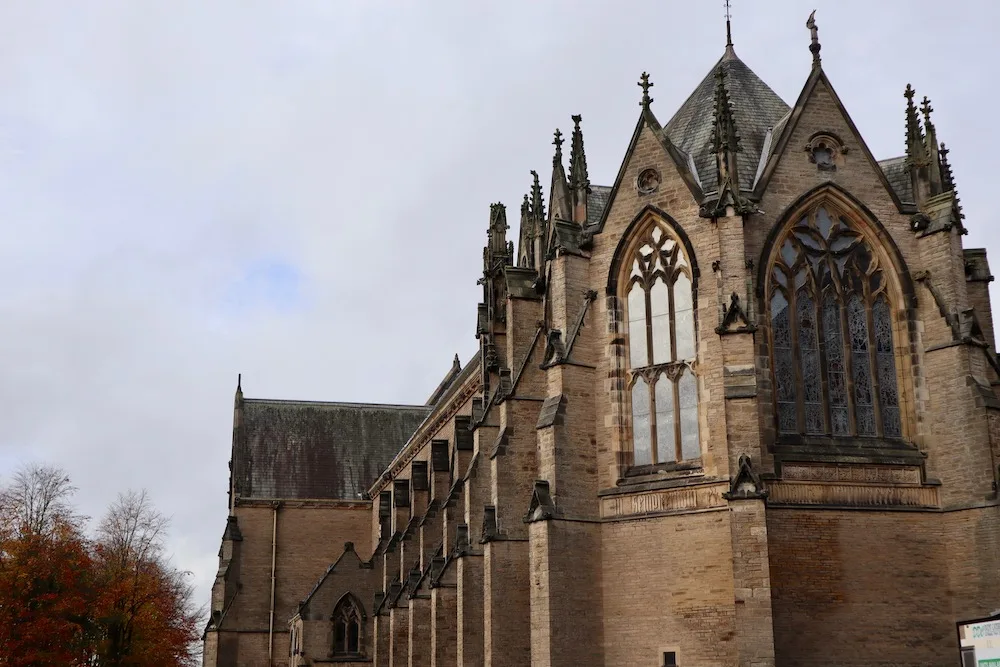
{"x": 832, "y": 350}
{"x": 659, "y": 304}
{"x": 347, "y": 626}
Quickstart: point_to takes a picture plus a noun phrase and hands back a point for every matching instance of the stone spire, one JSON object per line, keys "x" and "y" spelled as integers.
{"x": 931, "y": 149}
{"x": 915, "y": 146}
{"x": 948, "y": 179}
{"x": 917, "y": 161}
{"x": 539, "y": 221}
{"x": 579, "y": 179}
{"x": 526, "y": 237}
{"x": 814, "y": 45}
{"x": 496, "y": 248}
{"x": 560, "y": 204}
{"x": 725, "y": 143}
{"x": 725, "y": 137}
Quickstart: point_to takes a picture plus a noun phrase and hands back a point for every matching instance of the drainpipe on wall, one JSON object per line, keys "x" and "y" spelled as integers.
{"x": 274, "y": 551}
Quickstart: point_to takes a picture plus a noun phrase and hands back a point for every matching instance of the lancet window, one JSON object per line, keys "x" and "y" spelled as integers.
{"x": 661, "y": 351}
{"x": 831, "y": 332}
{"x": 347, "y": 627}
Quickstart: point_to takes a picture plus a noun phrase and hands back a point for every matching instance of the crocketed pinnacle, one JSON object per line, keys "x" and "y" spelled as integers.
{"x": 537, "y": 204}
{"x": 915, "y": 146}
{"x": 578, "y": 177}
{"x": 557, "y": 142}
{"x": 497, "y": 233}
{"x": 947, "y": 178}
{"x": 926, "y": 109}
{"x": 725, "y": 138}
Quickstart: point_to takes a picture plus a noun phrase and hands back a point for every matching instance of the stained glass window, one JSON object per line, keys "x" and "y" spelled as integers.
{"x": 347, "y": 628}
{"x": 662, "y": 350}
{"x": 831, "y": 333}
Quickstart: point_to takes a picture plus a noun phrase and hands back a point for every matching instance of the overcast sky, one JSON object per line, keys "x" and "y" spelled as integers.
{"x": 298, "y": 191}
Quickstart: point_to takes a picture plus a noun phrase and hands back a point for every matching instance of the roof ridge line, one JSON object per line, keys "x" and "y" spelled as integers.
{"x": 346, "y": 404}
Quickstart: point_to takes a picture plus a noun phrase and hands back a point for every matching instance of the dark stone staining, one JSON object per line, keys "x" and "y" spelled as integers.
{"x": 401, "y": 492}
{"x": 418, "y": 474}
{"x": 439, "y": 456}
{"x": 293, "y": 449}
{"x": 464, "y": 439}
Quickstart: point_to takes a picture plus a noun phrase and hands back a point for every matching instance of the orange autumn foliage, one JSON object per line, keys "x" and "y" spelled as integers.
{"x": 45, "y": 598}
{"x": 113, "y": 601}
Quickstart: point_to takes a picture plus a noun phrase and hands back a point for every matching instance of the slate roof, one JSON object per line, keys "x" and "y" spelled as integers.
{"x": 756, "y": 108}
{"x": 305, "y": 449}
{"x": 895, "y": 172}
{"x": 596, "y": 203}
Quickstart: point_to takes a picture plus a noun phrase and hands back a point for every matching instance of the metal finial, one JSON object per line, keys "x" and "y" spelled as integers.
{"x": 729, "y": 31}
{"x": 645, "y": 85}
{"x": 814, "y": 45}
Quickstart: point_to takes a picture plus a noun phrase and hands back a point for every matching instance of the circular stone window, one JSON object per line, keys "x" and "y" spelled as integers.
{"x": 648, "y": 181}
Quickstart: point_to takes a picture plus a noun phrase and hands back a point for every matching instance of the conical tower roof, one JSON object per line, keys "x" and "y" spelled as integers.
{"x": 756, "y": 109}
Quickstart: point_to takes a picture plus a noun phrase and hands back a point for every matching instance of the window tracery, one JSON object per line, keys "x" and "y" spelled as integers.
{"x": 347, "y": 627}
{"x": 831, "y": 333}
{"x": 662, "y": 385}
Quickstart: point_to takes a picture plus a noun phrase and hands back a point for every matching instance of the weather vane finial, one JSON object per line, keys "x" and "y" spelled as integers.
{"x": 645, "y": 85}
{"x": 814, "y": 45}
{"x": 729, "y": 31}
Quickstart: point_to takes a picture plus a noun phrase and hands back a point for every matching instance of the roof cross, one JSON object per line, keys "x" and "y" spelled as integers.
{"x": 645, "y": 85}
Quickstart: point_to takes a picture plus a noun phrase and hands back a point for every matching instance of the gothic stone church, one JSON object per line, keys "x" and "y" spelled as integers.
{"x": 737, "y": 408}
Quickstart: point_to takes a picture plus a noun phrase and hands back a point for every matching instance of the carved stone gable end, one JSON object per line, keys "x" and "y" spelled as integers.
{"x": 746, "y": 485}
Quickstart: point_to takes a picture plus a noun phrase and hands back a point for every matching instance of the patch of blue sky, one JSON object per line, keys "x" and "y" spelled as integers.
{"x": 266, "y": 284}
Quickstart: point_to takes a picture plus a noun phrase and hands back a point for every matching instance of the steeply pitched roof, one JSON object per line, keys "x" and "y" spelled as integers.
{"x": 756, "y": 107}
{"x": 596, "y": 203}
{"x": 303, "y": 449}
{"x": 895, "y": 172}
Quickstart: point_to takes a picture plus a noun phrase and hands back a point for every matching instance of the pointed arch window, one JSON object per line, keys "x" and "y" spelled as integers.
{"x": 347, "y": 627}
{"x": 832, "y": 348}
{"x": 663, "y": 389}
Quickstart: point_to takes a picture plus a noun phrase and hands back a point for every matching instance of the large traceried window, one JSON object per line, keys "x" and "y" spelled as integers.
{"x": 664, "y": 390}
{"x": 831, "y": 333}
{"x": 347, "y": 626}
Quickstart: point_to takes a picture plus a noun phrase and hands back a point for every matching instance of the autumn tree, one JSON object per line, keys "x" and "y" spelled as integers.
{"x": 45, "y": 591}
{"x": 144, "y": 607}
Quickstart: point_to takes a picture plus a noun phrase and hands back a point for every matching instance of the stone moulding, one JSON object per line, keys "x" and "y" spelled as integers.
{"x": 663, "y": 501}
{"x": 849, "y": 495}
